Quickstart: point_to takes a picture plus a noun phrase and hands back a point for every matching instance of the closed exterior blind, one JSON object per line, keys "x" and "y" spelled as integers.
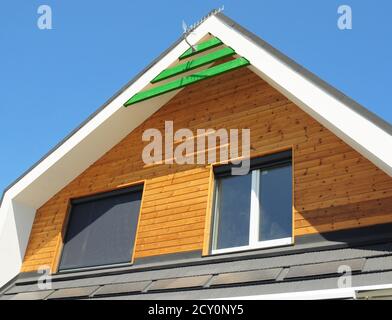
{"x": 101, "y": 230}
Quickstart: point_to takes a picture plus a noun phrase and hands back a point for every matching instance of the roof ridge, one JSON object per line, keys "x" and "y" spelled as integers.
{"x": 213, "y": 12}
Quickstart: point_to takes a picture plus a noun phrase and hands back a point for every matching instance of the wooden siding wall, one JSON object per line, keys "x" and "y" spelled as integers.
{"x": 334, "y": 187}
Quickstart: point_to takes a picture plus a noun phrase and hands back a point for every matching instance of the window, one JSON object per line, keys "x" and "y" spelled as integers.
{"x": 255, "y": 210}
{"x": 101, "y": 229}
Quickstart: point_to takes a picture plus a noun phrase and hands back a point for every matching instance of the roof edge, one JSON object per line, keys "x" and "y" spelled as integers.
{"x": 213, "y": 12}
{"x": 339, "y": 95}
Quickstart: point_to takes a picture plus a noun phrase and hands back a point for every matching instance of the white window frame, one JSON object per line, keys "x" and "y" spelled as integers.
{"x": 254, "y": 222}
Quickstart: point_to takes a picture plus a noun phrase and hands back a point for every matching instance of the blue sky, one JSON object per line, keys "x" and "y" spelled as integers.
{"x": 51, "y": 80}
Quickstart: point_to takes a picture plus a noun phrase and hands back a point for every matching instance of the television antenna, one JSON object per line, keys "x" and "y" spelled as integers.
{"x": 187, "y": 30}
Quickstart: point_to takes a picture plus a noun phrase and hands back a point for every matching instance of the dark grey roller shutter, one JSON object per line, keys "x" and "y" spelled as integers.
{"x": 101, "y": 229}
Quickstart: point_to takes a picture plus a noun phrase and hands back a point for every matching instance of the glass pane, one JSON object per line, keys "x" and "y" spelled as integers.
{"x": 275, "y": 203}
{"x": 101, "y": 231}
{"x": 233, "y": 205}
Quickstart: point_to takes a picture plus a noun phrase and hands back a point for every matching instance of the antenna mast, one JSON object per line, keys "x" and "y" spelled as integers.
{"x": 187, "y": 30}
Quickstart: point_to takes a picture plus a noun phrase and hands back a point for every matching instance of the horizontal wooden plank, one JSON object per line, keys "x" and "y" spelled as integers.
{"x": 347, "y": 224}
{"x": 172, "y": 230}
{"x": 170, "y": 224}
{"x": 163, "y": 236}
{"x": 170, "y": 218}
{"x": 170, "y": 249}
{"x": 170, "y": 243}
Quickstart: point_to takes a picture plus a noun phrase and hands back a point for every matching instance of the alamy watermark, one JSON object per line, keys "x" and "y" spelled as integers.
{"x": 345, "y": 280}
{"x": 45, "y": 280}
{"x": 44, "y": 21}
{"x": 345, "y": 20}
{"x": 185, "y": 147}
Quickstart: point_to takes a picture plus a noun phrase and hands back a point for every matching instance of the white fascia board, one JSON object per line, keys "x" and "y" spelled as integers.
{"x": 357, "y": 131}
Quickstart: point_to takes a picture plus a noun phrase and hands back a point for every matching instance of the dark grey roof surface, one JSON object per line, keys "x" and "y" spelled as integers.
{"x": 312, "y": 264}
{"x": 355, "y": 106}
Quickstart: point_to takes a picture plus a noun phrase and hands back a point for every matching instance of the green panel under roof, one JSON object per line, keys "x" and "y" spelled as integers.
{"x": 185, "y": 81}
{"x": 194, "y": 64}
{"x": 206, "y": 45}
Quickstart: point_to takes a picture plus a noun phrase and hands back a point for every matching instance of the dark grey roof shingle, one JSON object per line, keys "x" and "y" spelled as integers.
{"x": 245, "y": 277}
{"x": 80, "y": 292}
{"x": 180, "y": 283}
{"x": 121, "y": 288}
{"x": 325, "y": 268}
{"x": 37, "y": 295}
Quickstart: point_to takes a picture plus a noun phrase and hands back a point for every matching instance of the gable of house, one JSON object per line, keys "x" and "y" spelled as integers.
{"x": 341, "y": 184}
{"x": 335, "y": 187}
